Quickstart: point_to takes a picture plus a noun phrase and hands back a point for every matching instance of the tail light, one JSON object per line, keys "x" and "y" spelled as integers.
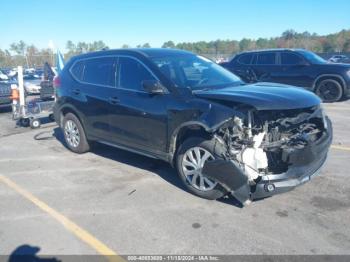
{"x": 56, "y": 82}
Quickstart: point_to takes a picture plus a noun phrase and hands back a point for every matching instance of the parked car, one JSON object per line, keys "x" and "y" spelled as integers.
{"x": 297, "y": 67}
{"x": 222, "y": 135}
{"x": 5, "y": 94}
{"x": 39, "y": 72}
{"x": 339, "y": 59}
{"x": 3, "y": 76}
{"x": 47, "y": 89}
{"x": 31, "y": 84}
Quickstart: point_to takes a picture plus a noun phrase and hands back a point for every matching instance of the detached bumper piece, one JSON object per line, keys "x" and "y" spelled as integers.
{"x": 230, "y": 177}
{"x": 304, "y": 164}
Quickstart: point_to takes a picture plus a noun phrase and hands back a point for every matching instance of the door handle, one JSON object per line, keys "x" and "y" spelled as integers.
{"x": 113, "y": 100}
{"x": 76, "y": 91}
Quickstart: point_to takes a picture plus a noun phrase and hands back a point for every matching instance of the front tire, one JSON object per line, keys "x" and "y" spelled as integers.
{"x": 74, "y": 134}
{"x": 329, "y": 90}
{"x": 191, "y": 156}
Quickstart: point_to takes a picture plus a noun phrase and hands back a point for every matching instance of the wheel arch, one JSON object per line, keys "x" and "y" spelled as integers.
{"x": 186, "y": 130}
{"x": 70, "y": 109}
{"x": 336, "y": 77}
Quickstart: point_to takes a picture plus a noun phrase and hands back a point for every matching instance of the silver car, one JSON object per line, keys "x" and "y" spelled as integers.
{"x": 32, "y": 84}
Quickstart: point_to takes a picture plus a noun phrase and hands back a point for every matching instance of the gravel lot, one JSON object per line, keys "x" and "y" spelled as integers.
{"x": 136, "y": 205}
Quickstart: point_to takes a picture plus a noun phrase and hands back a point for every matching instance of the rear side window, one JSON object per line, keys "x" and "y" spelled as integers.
{"x": 77, "y": 70}
{"x": 245, "y": 59}
{"x": 290, "y": 59}
{"x": 132, "y": 73}
{"x": 100, "y": 71}
{"x": 266, "y": 59}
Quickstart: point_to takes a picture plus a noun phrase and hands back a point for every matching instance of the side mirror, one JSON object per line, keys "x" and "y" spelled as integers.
{"x": 153, "y": 87}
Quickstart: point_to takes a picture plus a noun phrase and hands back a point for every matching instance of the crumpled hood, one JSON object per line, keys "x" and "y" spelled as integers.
{"x": 263, "y": 96}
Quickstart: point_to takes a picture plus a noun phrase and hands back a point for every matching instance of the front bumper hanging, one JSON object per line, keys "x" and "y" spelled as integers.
{"x": 305, "y": 164}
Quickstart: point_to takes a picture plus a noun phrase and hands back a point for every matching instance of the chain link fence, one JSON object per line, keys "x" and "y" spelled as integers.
{"x": 29, "y": 61}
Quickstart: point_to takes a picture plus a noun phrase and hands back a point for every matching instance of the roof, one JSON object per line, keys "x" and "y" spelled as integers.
{"x": 274, "y": 50}
{"x": 148, "y": 52}
{"x": 156, "y": 52}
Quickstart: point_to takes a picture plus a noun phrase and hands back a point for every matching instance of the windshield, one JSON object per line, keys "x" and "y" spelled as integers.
{"x": 195, "y": 72}
{"x": 313, "y": 58}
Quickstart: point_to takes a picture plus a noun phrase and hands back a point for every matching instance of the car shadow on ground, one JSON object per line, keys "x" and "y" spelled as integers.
{"x": 27, "y": 253}
{"x": 158, "y": 167}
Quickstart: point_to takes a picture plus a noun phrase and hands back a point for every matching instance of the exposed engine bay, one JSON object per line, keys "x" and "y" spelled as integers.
{"x": 267, "y": 142}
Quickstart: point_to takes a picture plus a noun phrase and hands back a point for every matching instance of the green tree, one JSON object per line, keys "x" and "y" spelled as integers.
{"x": 262, "y": 43}
{"x": 288, "y": 36}
{"x": 346, "y": 47}
{"x": 32, "y": 56}
{"x": 338, "y": 42}
{"x": 96, "y": 46}
{"x": 2, "y": 58}
{"x": 169, "y": 44}
{"x": 82, "y": 47}
{"x": 246, "y": 44}
{"x": 19, "y": 48}
{"x": 70, "y": 46}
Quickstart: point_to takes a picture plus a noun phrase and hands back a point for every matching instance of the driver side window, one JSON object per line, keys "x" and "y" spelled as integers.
{"x": 132, "y": 74}
{"x": 290, "y": 59}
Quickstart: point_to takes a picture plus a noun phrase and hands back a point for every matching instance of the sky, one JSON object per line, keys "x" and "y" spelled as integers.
{"x": 133, "y": 22}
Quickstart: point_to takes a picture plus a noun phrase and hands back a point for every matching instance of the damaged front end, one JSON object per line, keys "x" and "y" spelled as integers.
{"x": 270, "y": 152}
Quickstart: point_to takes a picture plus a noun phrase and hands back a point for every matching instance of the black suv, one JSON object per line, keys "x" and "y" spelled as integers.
{"x": 222, "y": 135}
{"x": 297, "y": 67}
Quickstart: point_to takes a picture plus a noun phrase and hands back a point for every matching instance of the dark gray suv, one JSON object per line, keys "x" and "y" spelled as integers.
{"x": 297, "y": 67}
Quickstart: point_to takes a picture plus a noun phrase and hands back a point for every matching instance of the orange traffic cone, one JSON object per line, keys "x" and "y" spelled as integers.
{"x": 15, "y": 95}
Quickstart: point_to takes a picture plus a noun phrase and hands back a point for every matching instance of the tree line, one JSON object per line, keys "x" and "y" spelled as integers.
{"x": 28, "y": 55}
{"x": 337, "y": 42}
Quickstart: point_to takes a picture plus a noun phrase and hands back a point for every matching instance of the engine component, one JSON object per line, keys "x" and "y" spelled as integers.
{"x": 254, "y": 158}
{"x": 265, "y": 141}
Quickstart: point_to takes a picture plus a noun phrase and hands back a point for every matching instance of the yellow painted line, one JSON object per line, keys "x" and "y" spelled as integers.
{"x": 67, "y": 223}
{"x": 345, "y": 148}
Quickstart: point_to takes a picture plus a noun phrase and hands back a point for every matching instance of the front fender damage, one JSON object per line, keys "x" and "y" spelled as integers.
{"x": 268, "y": 144}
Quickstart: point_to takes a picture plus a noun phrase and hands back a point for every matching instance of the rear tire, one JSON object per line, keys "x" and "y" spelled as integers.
{"x": 35, "y": 123}
{"x": 24, "y": 122}
{"x": 74, "y": 134}
{"x": 329, "y": 90}
{"x": 206, "y": 188}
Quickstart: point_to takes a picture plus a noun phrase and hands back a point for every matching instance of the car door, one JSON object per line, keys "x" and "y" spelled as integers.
{"x": 294, "y": 70}
{"x": 138, "y": 119}
{"x": 266, "y": 68}
{"x": 93, "y": 93}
